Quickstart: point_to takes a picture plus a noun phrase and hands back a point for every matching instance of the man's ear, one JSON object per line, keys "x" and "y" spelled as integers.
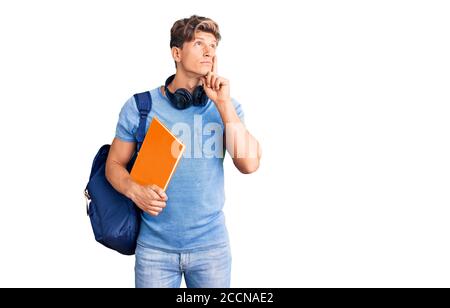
{"x": 176, "y": 54}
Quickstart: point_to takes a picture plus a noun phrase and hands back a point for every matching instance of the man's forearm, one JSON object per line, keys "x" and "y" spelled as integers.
{"x": 242, "y": 146}
{"x": 119, "y": 177}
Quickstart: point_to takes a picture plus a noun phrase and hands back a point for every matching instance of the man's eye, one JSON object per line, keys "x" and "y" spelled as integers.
{"x": 197, "y": 43}
{"x": 213, "y": 46}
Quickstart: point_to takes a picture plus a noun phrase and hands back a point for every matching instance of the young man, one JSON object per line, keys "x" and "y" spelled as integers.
{"x": 183, "y": 229}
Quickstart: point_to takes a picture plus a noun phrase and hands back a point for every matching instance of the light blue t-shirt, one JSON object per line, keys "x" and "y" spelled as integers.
{"x": 193, "y": 218}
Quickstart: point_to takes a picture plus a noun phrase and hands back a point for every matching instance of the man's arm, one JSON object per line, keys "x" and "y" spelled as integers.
{"x": 116, "y": 173}
{"x": 242, "y": 146}
{"x": 149, "y": 198}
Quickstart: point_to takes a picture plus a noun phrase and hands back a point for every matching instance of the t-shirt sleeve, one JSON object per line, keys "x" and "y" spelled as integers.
{"x": 239, "y": 110}
{"x": 128, "y": 121}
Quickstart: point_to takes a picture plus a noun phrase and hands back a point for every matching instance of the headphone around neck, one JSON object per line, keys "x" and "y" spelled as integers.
{"x": 183, "y": 99}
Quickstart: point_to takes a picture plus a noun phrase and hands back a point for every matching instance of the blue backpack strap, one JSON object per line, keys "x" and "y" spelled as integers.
{"x": 144, "y": 105}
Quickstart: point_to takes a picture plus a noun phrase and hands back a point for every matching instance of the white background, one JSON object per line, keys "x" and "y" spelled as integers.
{"x": 349, "y": 99}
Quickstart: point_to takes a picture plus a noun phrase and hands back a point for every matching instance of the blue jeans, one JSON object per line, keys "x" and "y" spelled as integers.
{"x": 202, "y": 269}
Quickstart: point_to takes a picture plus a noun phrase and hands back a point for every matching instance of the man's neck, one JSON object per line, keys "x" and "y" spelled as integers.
{"x": 183, "y": 80}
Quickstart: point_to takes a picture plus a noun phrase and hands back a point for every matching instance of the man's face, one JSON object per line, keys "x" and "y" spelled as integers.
{"x": 197, "y": 56}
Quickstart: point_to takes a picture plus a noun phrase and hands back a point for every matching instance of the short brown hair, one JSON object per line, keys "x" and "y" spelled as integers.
{"x": 184, "y": 30}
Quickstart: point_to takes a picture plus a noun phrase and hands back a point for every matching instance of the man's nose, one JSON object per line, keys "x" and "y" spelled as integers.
{"x": 208, "y": 52}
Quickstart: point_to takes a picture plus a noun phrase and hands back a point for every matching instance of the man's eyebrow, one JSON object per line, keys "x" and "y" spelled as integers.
{"x": 201, "y": 38}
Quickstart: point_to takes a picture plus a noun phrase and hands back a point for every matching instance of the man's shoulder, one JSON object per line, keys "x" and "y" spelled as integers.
{"x": 154, "y": 92}
{"x": 130, "y": 103}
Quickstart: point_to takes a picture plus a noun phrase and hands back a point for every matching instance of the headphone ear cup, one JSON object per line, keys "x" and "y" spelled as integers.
{"x": 183, "y": 99}
{"x": 199, "y": 96}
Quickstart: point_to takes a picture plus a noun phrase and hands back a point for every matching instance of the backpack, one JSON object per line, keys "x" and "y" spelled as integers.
{"x": 115, "y": 219}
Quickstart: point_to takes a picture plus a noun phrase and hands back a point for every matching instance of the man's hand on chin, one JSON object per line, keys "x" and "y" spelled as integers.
{"x": 217, "y": 88}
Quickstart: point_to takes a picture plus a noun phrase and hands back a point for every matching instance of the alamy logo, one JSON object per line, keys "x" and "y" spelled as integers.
{"x": 207, "y": 139}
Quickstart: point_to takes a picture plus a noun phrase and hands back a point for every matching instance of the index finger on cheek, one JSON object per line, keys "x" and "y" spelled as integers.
{"x": 214, "y": 68}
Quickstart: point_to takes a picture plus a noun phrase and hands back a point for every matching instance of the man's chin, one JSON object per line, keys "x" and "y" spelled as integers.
{"x": 200, "y": 73}
{"x": 203, "y": 72}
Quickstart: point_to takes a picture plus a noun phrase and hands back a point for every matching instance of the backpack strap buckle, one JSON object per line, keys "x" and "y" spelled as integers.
{"x": 88, "y": 198}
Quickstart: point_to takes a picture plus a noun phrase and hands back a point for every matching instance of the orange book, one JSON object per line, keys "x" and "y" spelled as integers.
{"x": 159, "y": 156}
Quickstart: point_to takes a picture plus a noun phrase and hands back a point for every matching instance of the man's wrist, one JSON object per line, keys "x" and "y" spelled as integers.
{"x": 129, "y": 188}
{"x": 223, "y": 103}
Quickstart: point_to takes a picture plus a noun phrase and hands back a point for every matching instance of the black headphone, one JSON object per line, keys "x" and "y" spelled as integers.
{"x": 183, "y": 99}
